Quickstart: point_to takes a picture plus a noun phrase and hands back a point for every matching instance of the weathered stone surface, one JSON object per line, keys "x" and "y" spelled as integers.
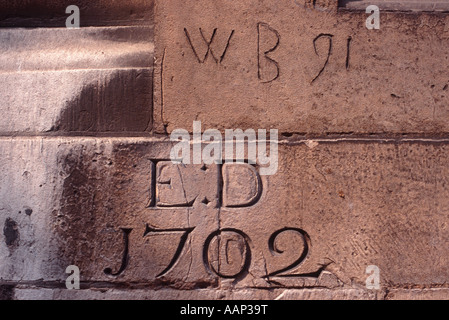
{"x": 281, "y": 64}
{"x": 76, "y": 81}
{"x": 31, "y": 185}
{"x": 87, "y": 181}
{"x": 53, "y": 49}
{"x": 332, "y": 209}
{"x": 418, "y": 294}
{"x": 52, "y": 13}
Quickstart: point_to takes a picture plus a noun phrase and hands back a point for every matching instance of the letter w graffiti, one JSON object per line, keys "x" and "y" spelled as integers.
{"x": 210, "y": 51}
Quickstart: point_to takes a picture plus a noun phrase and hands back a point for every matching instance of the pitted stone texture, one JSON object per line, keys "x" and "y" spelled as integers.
{"x": 29, "y": 181}
{"x": 397, "y": 5}
{"x": 418, "y": 294}
{"x": 332, "y": 209}
{"x": 199, "y": 294}
{"x": 53, "y": 49}
{"x": 279, "y": 64}
{"x": 83, "y": 101}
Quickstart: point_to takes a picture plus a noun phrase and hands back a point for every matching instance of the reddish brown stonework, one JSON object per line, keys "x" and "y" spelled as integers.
{"x": 52, "y": 13}
{"x": 87, "y": 179}
{"x": 113, "y": 221}
{"x": 397, "y": 5}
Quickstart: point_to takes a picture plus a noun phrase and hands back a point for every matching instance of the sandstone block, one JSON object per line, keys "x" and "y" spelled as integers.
{"x": 122, "y": 213}
{"x": 281, "y": 64}
{"x": 76, "y": 81}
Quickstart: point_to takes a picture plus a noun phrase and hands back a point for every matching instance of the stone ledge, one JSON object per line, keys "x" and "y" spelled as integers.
{"x": 89, "y": 101}
{"x": 397, "y": 5}
{"x": 274, "y": 64}
{"x": 200, "y": 294}
{"x": 56, "y": 49}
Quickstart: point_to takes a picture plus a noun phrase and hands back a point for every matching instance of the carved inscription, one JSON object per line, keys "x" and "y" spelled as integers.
{"x": 181, "y": 186}
{"x": 299, "y": 253}
{"x": 227, "y": 253}
{"x": 348, "y": 52}
{"x": 125, "y": 257}
{"x": 170, "y": 186}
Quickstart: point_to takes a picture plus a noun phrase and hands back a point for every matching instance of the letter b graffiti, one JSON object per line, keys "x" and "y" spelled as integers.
{"x": 73, "y": 21}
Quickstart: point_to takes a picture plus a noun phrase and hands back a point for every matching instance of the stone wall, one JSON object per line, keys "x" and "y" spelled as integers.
{"x": 86, "y": 176}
